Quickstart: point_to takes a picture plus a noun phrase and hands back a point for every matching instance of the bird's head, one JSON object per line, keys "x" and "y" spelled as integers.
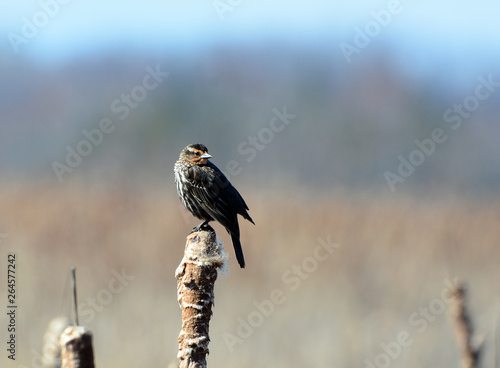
{"x": 196, "y": 154}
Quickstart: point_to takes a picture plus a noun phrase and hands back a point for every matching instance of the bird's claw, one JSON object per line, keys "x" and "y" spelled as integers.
{"x": 203, "y": 226}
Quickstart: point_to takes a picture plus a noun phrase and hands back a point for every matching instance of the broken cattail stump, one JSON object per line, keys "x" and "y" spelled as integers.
{"x": 196, "y": 275}
{"x": 76, "y": 346}
{"x": 463, "y": 327}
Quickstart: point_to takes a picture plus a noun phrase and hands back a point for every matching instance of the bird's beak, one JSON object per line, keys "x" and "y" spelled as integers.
{"x": 206, "y": 155}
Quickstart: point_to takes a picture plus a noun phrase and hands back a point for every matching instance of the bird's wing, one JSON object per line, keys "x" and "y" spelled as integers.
{"x": 217, "y": 197}
{"x": 231, "y": 195}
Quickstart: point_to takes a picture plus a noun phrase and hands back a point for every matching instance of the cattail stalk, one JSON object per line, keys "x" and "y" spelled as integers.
{"x": 196, "y": 275}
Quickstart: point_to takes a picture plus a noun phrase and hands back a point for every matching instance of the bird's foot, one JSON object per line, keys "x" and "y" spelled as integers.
{"x": 203, "y": 226}
{"x": 198, "y": 228}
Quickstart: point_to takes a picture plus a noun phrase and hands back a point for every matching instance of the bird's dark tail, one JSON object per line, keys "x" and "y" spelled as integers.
{"x": 238, "y": 250}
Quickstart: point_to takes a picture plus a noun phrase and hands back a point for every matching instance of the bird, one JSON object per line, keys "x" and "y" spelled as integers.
{"x": 208, "y": 195}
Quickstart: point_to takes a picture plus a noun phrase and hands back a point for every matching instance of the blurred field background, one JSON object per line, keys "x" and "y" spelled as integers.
{"x": 393, "y": 259}
{"x": 322, "y": 177}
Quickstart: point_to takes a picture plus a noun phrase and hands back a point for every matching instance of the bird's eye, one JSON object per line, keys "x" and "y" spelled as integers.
{"x": 197, "y": 153}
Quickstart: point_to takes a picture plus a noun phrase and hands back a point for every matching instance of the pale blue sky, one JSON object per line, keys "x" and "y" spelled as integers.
{"x": 463, "y": 34}
{"x": 90, "y": 22}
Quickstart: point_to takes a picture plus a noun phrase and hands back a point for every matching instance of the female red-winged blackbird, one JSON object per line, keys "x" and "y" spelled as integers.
{"x": 208, "y": 195}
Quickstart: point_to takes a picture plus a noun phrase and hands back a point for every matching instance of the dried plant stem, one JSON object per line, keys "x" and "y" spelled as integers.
{"x": 463, "y": 327}
{"x": 196, "y": 275}
{"x": 75, "y": 296}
